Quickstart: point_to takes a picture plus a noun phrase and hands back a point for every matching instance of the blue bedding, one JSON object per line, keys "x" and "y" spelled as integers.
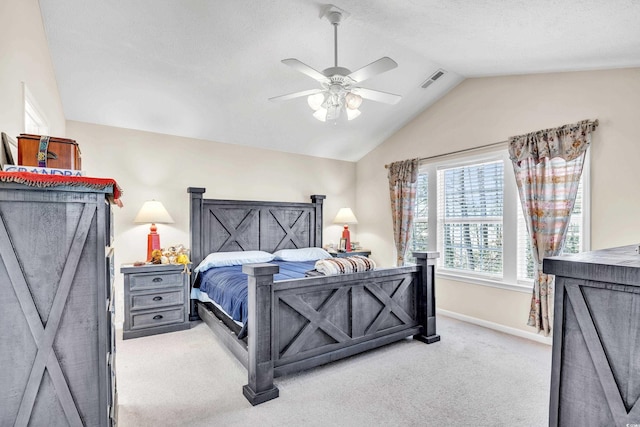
{"x": 227, "y": 286}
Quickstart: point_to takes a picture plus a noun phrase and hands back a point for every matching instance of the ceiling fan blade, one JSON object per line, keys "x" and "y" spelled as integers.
{"x": 304, "y": 68}
{"x": 376, "y": 67}
{"x": 376, "y": 95}
{"x": 295, "y": 95}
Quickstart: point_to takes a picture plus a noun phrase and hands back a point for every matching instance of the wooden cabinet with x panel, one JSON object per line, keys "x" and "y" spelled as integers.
{"x": 56, "y": 286}
{"x": 595, "y": 369}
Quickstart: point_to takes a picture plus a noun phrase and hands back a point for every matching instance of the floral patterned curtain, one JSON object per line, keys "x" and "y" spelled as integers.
{"x": 403, "y": 182}
{"x": 548, "y": 165}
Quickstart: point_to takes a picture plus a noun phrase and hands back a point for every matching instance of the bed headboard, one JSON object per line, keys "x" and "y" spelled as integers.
{"x": 241, "y": 225}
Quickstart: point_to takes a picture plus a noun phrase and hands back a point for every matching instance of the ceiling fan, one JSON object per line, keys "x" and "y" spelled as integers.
{"x": 340, "y": 94}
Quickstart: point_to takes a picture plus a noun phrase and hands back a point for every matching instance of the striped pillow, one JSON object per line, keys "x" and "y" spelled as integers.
{"x": 352, "y": 264}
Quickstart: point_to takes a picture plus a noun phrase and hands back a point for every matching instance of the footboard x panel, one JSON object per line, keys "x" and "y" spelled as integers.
{"x": 345, "y": 314}
{"x": 316, "y": 321}
{"x": 391, "y": 305}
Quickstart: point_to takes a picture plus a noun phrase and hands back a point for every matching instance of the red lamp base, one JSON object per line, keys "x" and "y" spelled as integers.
{"x": 153, "y": 241}
{"x": 346, "y": 235}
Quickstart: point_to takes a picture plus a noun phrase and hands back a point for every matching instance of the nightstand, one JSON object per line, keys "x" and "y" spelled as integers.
{"x": 361, "y": 252}
{"x": 156, "y": 299}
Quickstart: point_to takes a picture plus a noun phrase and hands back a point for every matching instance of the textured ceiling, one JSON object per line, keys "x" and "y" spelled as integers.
{"x": 206, "y": 68}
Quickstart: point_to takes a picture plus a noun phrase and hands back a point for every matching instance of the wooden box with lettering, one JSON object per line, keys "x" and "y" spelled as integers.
{"x": 48, "y": 152}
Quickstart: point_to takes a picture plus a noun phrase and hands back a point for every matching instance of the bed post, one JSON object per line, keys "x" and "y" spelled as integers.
{"x": 426, "y": 297}
{"x": 195, "y": 229}
{"x": 317, "y": 199}
{"x": 260, "y": 341}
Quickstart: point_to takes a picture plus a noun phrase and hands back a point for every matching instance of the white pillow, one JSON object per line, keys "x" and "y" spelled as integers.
{"x": 225, "y": 259}
{"x": 302, "y": 254}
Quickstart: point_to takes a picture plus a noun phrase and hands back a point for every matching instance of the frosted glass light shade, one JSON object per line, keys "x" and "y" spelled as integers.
{"x": 152, "y": 211}
{"x": 315, "y": 101}
{"x": 352, "y": 114}
{"x": 321, "y": 114}
{"x": 345, "y": 216}
{"x": 353, "y": 101}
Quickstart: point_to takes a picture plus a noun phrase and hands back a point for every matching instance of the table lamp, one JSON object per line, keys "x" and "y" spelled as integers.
{"x": 152, "y": 211}
{"x": 345, "y": 216}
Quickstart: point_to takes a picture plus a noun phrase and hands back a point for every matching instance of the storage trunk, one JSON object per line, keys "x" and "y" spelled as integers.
{"x": 58, "y": 153}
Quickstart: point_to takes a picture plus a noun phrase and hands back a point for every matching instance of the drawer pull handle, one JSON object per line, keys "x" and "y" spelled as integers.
{"x": 157, "y": 280}
{"x": 157, "y": 298}
{"x": 157, "y": 317}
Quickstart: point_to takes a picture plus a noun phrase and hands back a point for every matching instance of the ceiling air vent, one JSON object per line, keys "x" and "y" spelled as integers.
{"x": 435, "y": 76}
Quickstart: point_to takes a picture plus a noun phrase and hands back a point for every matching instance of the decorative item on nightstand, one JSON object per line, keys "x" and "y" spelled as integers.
{"x": 345, "y": 216}
{"x": 152, "y": 211}
{"x": 360, "y": 252}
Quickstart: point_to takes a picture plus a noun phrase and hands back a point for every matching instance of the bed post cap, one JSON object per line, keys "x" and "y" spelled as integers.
{"x": 426, "y": 255}
{"x": 199, "y": 190}
{"x": 260, "y": 269}
{"x": 318, "y": 197}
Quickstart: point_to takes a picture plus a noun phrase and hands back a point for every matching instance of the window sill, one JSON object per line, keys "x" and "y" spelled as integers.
{"x": 483, "y": 281}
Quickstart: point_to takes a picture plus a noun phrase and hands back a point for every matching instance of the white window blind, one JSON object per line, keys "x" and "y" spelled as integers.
{"x": 420, "y": 230}
{"x": 470, "y": 210}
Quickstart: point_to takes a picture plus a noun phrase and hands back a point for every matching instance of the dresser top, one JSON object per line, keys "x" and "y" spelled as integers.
{"x": 616, "y": 265}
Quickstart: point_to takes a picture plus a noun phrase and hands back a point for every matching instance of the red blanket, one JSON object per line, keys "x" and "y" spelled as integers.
{"x": 38, "y": 180}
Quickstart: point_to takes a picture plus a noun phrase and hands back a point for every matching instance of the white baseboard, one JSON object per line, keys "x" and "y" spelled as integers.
{"x": 496, "y": 326}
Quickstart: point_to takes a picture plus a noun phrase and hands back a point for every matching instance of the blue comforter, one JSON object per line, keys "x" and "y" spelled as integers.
{"x": 227, "y": 286}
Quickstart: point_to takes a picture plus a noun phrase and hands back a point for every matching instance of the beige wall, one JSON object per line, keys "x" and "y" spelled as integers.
{"x": 487, "y": 110}
{"x": 24, "y": 57}
{"x": 155, "y": 166}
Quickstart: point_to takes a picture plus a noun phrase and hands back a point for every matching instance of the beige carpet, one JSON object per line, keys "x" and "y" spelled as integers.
{"x": 473, "y": 377}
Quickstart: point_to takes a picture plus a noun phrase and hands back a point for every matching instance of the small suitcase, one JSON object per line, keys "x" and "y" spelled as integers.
{"x": 48, "y": 152}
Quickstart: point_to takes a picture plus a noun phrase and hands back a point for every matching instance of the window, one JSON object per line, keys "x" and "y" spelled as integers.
{"x": 420, "y": 232}
{"x": 475, "y": 220}
{"x": 470, "y": 212}
{"x": 34, "y": 120}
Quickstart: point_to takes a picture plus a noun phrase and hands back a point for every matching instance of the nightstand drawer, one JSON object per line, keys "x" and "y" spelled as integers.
{"x": 155, "y": 281}
{"x": 157, "y": 318}
{"x": 156, "y": 299}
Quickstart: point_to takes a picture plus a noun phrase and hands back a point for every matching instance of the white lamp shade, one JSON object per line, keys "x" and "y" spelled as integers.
{"x": 345, "y": 216}
{"x": 152, "y": 211}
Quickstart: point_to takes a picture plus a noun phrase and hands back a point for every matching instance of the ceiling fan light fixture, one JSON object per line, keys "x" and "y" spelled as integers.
{"x": 352, "y": 101}
{"x": 321, "y": 114}
{"x": 352, "y": 114}
{"x": 336, "y": 102}
{"x": 315, "y": 101}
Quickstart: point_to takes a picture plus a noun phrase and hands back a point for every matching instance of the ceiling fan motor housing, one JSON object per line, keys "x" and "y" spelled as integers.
{"x": 332, "y": 72}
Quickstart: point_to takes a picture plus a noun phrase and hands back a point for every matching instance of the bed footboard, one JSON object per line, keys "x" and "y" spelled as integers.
{"x": 299, "y": 324}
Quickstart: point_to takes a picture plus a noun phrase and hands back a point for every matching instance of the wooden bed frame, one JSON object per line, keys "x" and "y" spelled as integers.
{"x": 299, "y": 324}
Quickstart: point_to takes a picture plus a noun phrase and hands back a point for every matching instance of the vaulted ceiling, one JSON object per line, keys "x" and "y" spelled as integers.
{"x": 206, "y": 68}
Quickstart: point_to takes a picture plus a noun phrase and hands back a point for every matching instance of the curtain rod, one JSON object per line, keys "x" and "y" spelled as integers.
{"x": 466, "y": 150}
